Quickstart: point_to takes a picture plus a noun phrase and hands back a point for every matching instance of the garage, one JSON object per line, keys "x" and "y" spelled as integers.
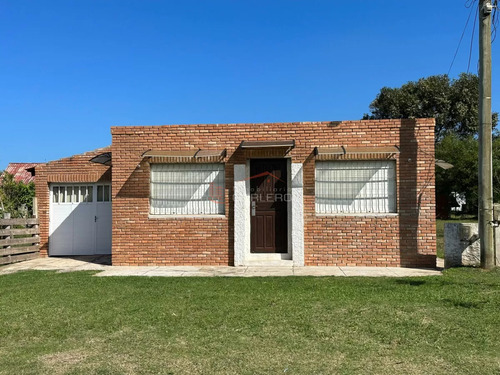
{"x": 80, "y": 219}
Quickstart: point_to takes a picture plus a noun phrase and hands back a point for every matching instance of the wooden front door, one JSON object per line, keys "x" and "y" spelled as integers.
{"x": 268, "y": 210}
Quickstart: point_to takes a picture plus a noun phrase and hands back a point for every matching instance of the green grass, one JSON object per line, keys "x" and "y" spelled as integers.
{"x": 440, "y": 232}
{"x": 74, "y": 323}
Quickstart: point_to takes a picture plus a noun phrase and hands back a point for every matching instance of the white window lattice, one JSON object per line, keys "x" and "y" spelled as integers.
{"x": 355, "y": 186}
{"x": 72, "y": 194}
{"x": 187, "y": 189}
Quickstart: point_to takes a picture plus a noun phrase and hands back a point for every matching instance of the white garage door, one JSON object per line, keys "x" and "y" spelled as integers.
{"x": 80, "y": 219}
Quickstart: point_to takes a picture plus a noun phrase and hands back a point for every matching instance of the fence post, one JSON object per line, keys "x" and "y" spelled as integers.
{"x": 35, "y": 207}
{"x": 36, "y": 234}
{"x": 6, "y": 215}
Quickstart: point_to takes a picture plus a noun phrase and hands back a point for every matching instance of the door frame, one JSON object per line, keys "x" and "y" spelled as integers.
{"x": 272, "y": 256}
{"x": 241, "y": 225}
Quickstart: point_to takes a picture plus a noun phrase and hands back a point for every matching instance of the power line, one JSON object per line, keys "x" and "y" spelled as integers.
{"x": 468, "y": 4}
{"x": 494, "y": 21}
{"x": 472, "y": 39}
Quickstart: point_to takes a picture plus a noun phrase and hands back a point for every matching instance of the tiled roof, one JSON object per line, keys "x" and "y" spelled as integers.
{"x": 19, "y": 170}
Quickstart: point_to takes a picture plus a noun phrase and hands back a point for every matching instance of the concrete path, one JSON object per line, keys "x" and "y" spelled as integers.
{"x": 102, "y": 264}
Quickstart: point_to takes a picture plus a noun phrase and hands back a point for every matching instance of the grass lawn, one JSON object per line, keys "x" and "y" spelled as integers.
{"x": 74, "y": 323}
{"x": 440, "y": 233}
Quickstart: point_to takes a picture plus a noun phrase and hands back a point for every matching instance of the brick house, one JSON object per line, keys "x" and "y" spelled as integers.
{"x": 310, "y": 193}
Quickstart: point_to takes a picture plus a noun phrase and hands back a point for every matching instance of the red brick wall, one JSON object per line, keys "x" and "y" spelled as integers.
{"x": 75, "y": 169}
{"x": 405, "y": 239}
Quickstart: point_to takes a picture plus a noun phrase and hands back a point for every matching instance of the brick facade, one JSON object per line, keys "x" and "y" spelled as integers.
{"x": 403, "y": 239}
{"x": 74, "y": 169}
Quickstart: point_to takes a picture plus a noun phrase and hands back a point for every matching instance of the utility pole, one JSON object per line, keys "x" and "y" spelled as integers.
{"x": 485, "y": 162}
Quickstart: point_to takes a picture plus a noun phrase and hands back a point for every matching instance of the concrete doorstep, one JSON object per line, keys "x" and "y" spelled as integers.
{"x": 102, "y": 264}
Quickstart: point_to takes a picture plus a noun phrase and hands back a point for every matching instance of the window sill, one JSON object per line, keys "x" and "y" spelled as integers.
{"x": 161, "y": 217}
{"x": 367, "y": 214}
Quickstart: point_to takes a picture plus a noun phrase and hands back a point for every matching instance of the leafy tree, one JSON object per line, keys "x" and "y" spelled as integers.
{"x": 16, "y": 195}
{"x": 454, "y": 105}
{"x": 452, "y": 102}
{"x": 463, "y": 177}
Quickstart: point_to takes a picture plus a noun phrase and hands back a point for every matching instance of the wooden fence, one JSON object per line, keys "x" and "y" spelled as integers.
{"x": 19, "y": 240}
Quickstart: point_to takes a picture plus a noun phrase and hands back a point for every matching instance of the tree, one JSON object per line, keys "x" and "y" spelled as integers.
{"x": 463, "y": 177}
{"x": 454, "y": 105}
{"x": 16, "y": 195}
{"x": 452, "y": 102}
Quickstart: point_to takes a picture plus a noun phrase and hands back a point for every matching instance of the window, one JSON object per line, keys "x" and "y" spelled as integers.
{"x": 72, "y": 194}
{"x": 187, "y": 189}
{"x": 355, "y": 186}
{"x": 103, "y": 193}
{"x": 87, "y": 193}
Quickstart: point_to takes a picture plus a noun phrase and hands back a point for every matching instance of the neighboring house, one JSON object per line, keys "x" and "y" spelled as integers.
{"x": 25, "y": 173}
{"x": 22, "y": 172}
{"x": 308, "y": 193}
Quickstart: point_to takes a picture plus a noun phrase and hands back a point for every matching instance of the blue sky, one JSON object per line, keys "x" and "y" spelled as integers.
{"x": 71, "y": 69}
